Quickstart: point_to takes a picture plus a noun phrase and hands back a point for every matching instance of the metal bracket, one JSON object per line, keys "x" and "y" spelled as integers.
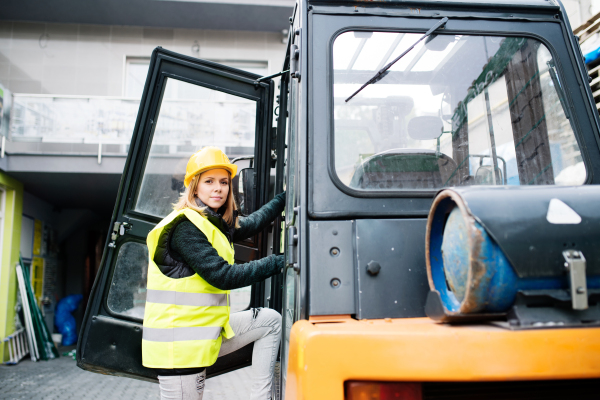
{"x": 295, "y": 62}
{"x": 119, "y": 229}
{"x": 542, "y": 309}
{"x": 575, "y": 265}
{"x": 266, "y": 78}
{"x": 292, "y": 243}
{"x": 296, "y": 210}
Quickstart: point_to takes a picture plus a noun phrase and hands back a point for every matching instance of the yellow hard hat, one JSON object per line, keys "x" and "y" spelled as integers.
{"x": 205, "y": 159}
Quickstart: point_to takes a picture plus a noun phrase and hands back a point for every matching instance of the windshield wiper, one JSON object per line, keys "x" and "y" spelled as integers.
{"x": 383, "y": 70}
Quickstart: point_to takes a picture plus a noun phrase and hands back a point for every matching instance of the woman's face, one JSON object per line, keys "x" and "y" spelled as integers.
{"x": 213, "y": 188}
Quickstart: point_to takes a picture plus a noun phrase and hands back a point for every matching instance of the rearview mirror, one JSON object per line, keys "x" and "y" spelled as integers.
{"x": 425, "y": 128}
{"x": 244, "y": 190}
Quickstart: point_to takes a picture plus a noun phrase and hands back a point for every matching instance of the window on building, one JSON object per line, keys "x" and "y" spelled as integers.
{"x": 136, "y": 70}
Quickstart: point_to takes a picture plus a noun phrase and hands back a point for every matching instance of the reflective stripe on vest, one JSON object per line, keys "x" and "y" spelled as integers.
{"x": 185, "y": 319}
{"x": 181, "y": 334}
{"x": 186, "y": 299}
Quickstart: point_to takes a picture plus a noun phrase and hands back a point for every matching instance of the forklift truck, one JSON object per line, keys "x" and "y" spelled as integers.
{"x": 380, "y": 105}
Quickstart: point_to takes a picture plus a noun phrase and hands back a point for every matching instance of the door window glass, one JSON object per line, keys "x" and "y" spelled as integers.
{"x": 127, "y": 293}
{"x": 456, "y": 110}
{"x": 190, "y": 118}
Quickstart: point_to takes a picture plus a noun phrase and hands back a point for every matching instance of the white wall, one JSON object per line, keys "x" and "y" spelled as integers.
{"x": 580, "y": 11}
{"x": 89, "y": 60}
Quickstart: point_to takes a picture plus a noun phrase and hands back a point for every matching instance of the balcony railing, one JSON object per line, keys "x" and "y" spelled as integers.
{"x": 71, "y": 124}
{"x": 92, "y": 125}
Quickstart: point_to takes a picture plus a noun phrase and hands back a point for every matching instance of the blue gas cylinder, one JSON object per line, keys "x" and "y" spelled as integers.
{"x": 472, "y": 272}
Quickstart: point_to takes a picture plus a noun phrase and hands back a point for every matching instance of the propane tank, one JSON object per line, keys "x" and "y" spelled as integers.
{"x": 485, "y": 244}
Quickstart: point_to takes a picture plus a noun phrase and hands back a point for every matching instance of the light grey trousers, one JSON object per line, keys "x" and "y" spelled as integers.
{"x": 259, "y": 325}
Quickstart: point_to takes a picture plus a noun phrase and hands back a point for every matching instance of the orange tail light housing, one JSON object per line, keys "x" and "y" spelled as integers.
{"x": 383, "y": 391}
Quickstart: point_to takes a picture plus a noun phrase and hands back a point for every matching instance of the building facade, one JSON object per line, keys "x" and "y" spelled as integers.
{"x": 71, "y": 80}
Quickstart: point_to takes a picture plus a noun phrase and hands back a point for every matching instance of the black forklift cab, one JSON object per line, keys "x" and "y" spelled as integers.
{"x": 499, "y": 95}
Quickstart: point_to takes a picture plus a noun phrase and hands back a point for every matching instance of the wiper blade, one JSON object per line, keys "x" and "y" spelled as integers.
{"x": 381, "y": 73}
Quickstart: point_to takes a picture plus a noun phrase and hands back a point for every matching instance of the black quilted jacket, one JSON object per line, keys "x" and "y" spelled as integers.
{"x": 183, "y": 250}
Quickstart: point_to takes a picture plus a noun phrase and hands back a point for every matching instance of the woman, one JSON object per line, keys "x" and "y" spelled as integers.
{"x": 187, "y": 324}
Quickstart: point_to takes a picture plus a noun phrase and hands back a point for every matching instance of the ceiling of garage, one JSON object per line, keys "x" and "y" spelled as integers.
{"x": 246, "y": 15}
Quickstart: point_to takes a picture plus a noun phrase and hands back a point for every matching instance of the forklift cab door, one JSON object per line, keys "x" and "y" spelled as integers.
{"x": 187, "y": 104}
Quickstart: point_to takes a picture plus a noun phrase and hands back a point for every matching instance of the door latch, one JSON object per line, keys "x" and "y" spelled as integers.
{"x": 119, "y": 229}
{"x": 575, "y": 265}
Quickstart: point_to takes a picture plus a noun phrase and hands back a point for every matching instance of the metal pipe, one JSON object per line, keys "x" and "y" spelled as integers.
{"x": 491, "y": 131}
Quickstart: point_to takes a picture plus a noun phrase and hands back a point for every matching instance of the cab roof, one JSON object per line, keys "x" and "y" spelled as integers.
{"x": 543, "y": 4}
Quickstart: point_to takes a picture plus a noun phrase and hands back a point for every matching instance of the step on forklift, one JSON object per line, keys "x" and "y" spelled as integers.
{"x": 441, "y": 232}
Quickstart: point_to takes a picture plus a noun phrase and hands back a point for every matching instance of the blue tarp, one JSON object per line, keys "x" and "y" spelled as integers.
{"x": 592, "y": 56}
{"x": 64, "y": 320}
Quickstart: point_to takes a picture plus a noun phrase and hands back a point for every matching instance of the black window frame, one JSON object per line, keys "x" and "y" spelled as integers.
{"x": 102, "y": 329}
{"x": 135, "y": 186}
{"x": 415, "y": 202}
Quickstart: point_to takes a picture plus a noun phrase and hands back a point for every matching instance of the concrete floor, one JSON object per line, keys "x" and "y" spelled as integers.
{"x": 61, "y": 379}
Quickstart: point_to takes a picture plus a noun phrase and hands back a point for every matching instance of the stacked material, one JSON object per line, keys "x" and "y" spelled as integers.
{"x": 41, "y": 345}
{"x": 589, "y": 40}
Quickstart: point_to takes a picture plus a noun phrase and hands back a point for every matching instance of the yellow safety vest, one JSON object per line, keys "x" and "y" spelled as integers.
{"x": 184, "y": 318}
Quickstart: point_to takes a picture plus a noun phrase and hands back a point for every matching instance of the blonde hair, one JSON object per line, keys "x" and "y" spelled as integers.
{"x": 188, "y": 200}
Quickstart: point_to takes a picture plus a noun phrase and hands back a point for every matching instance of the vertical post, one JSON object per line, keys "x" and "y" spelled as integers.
{"x": 489, "y": 120}
{"x": 491, "y": 132}
{"x": 99, "y": 152}
{"x": 460, "y": 153}
{"x": 11, "y": 237}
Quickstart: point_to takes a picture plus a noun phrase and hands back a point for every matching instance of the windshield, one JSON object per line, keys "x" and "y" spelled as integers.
{"x": 456, "y": 110}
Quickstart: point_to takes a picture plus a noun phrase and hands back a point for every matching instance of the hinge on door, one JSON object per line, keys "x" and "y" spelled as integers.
{"x": 295, "y": 57}
{"x": 296, "y": 210}
{"x": 292, "y": 243}
{"x": 295, "y": 62}
{"x": 119, "y": 229}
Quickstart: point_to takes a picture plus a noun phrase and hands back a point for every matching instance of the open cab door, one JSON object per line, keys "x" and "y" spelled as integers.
{"x": 187, "y": 104}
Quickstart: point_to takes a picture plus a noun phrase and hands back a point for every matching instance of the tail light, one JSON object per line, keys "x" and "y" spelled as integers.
{"x": 383, "y": 391}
